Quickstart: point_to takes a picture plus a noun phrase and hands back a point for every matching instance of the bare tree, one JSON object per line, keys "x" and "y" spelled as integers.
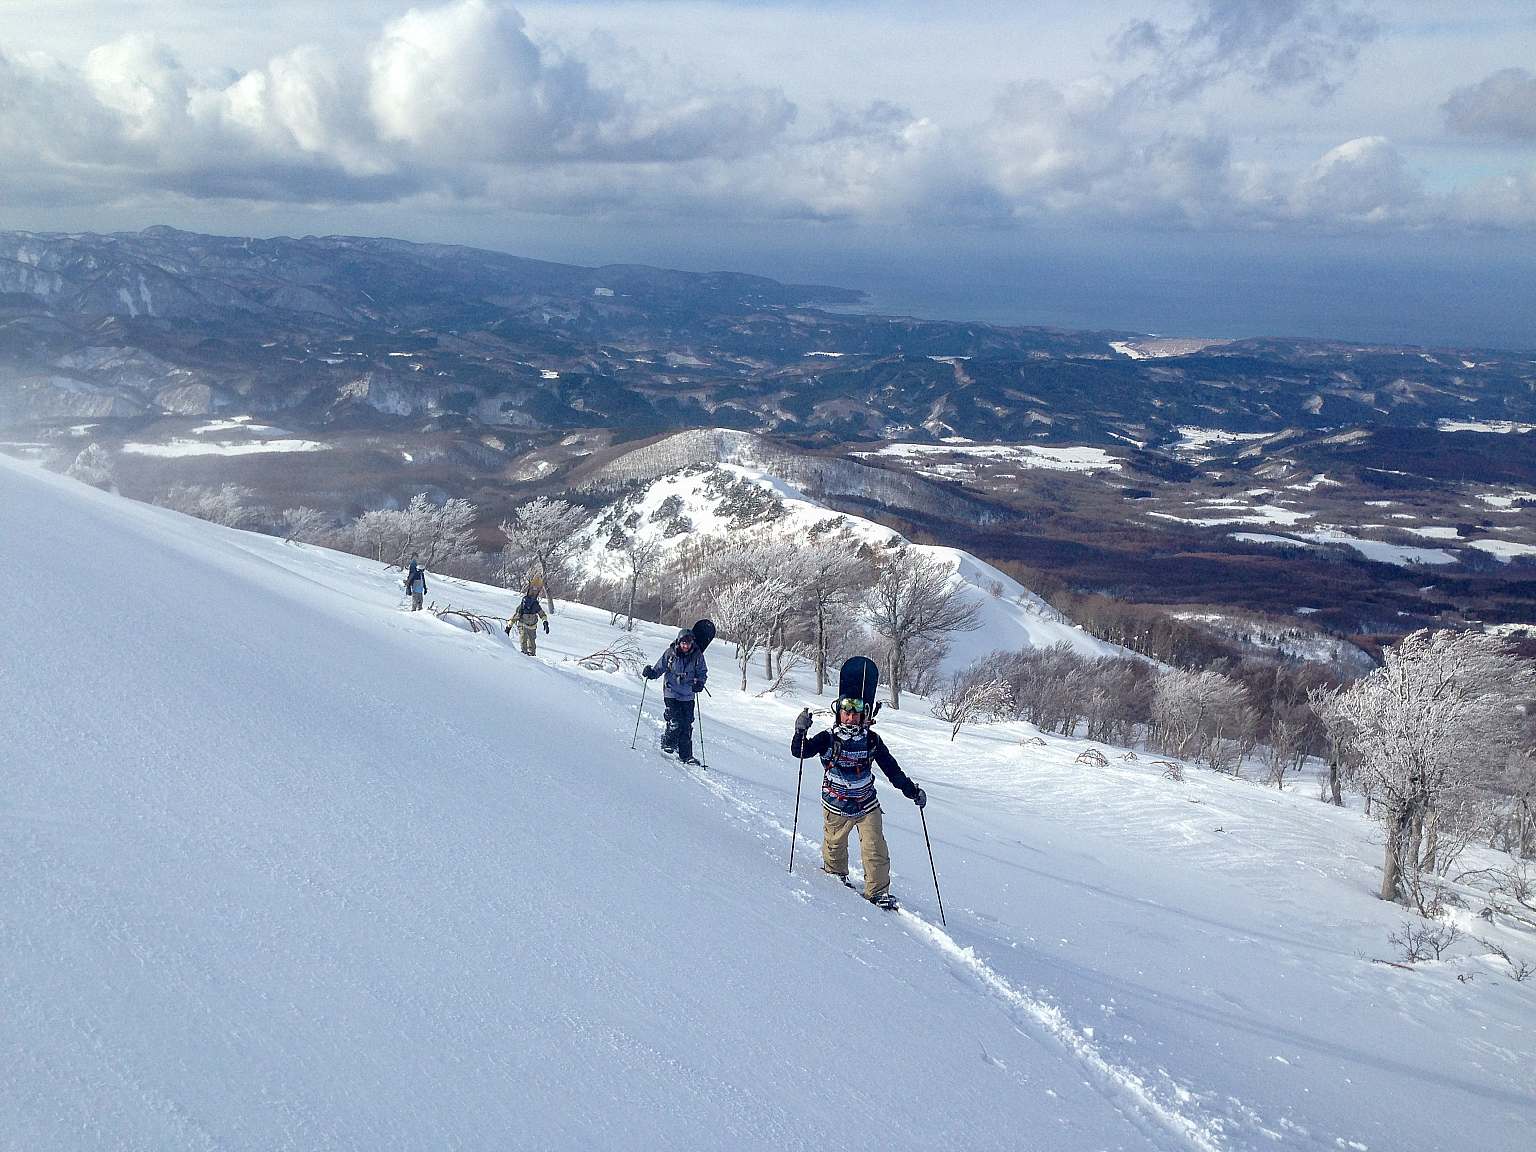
{"x": 643, "y": 555}
{"x": 834, "y": 573}
{"x": 1423, "y": 728}
{"x": 979, "y": 694}
{"x": 543, "y": 532}
{"x": 1324, "y": 703}
{"x": 912, "y": 600}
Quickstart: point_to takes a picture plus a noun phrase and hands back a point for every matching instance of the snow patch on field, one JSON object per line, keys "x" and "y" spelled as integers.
{"x": 1433, "y": 532}
{"x": 1315, "y": 483}
{"x": 1069, "y": 459}
{"x": 1501, "y": 427}
{"x": 1400, "y": 554}
{"x": 1506, "y": 501}
{"x": 1266, "y": 538}
{"x": 1505, "y": 550}
{"x": 1257, "y": 514}
{"x": 1196, "y": 441}
{"x": 179, "y": 447}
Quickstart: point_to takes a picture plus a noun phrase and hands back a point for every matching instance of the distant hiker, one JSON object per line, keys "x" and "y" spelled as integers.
{"x": 527, "y": 617}
{"x": 848, "y": 797}
{"x": 415, "y": 584}
{"x": 684, "y": 672}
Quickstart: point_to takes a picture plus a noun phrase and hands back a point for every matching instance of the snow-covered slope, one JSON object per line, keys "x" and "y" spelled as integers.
{"x": 288, "y": 868}
{"x": 729, "y": 499}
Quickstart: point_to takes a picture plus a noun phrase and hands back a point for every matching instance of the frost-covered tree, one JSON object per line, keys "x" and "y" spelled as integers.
{"x": 912, "y": 600}
{"x": 441, "y": 534}
{"x": 980, "y": 694}
{"x": 1424, "y": 729}
{"x": 1202, "y": 716}
{"x": 436, "y": 535}
{"x": 307, "y": 525}
{"x": 745, "y": 612}
{"x": 643, "y": 556}
{"x": 541, "y": 533}
{"x": 94, "y": 465}
{"x": 770, "y": 564}
{"x": 834, "y": 573}
{"x": 228, "y": 504}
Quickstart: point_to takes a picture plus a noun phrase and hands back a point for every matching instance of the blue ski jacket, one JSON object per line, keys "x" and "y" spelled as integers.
{"x": 681, "y": 672}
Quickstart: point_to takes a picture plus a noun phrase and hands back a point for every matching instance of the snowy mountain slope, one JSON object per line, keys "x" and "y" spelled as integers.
{"x": 289, "y": 868}
{"x": 720, "y": 500}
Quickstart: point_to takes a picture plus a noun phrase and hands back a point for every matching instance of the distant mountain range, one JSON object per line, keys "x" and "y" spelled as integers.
{"x": 1110, "y": 458}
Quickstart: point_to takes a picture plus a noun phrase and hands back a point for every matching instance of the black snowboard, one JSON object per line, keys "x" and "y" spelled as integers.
{"x": 859, "y": 679}
{"x": 703, "y": 632}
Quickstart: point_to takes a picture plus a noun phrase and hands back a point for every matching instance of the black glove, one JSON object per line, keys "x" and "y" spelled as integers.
{"x": 508, "y": 628}
{"x": 648, "y": 672}
{"x": 546, "y": 627}
{"x": 698, "y": 685}
{"x": 803, "y": 721}
{"x": 921, "y": 799}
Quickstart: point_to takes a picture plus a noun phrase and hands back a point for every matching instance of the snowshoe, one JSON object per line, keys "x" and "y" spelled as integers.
{"x": 887, "y": 901}
{"x": 691, "y": 760}
{"x": 847, "y": 883}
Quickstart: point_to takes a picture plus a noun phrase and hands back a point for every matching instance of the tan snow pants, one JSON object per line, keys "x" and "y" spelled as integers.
{"x": 872, "y": 850}
{"x": 528, "y": 636}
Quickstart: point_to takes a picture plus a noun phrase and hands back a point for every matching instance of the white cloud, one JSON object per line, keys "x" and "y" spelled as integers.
{"x": 1501, "y": 106}
{"x": 1362, "y": 181}
{"x": 466, "y": 107}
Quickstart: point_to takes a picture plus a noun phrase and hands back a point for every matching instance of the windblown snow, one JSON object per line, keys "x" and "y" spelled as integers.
{"x": 288, "y": 867}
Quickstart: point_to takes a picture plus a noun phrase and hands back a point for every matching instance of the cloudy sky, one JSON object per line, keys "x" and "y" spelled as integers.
{"x": 1316, "y": 167}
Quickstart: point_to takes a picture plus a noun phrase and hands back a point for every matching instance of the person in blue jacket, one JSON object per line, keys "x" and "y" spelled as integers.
{"x": 683, "y": 673}
{"x": 415, "y": 584}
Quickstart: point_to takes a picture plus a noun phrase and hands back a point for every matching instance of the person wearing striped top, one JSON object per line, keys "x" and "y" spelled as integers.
{"x": 849, "y": 752}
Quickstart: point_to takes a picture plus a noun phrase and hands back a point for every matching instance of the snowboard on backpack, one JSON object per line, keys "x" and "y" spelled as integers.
{"x": 703, "y": 632}
{"x": 859, "y": 678}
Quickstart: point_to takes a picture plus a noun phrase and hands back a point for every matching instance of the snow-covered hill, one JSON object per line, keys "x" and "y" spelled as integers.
{"x": 731, "y": 499}
{"x": 288, "y": 868}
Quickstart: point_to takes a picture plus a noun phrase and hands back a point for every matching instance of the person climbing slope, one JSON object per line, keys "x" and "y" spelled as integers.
{"x": 530, "y": 613}
{"x": 683, "y": 672}
{"x": 848, "y": 751}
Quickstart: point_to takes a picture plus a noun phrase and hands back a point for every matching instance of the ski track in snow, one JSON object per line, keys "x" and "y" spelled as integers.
{"x": 1128, "y": 1092}
{"x": 1263, "y": 843}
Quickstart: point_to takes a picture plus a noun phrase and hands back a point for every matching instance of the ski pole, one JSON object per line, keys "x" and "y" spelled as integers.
{"x": 931, "y": 868}
{"x": 799, "y": 780}
{"x": 699, "y": 713}
{"x": 644, "y": 684}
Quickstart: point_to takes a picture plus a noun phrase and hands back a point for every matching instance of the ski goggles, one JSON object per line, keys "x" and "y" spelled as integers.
{"x": 850, "y": 704}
